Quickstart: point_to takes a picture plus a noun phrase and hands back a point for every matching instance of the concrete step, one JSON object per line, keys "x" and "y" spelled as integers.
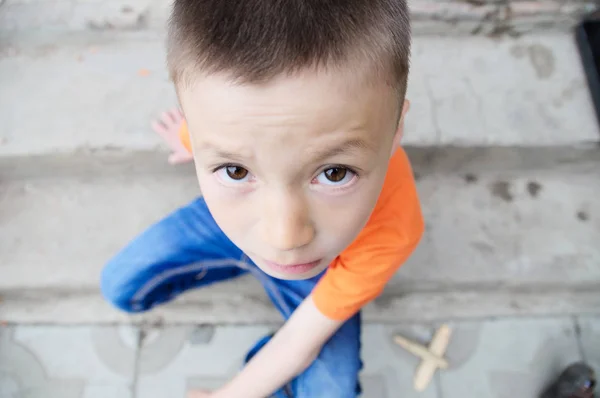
{"x": 474, "y": 17}
{"x": 96, "y": 91}
{"x": 502, "y": 134}
{"x": 510, "y": 231}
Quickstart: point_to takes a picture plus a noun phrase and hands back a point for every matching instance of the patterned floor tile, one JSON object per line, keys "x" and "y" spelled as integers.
{"x": 174, "y": 360}
{"x": 495, "y": 359}
{"x": 507, "y": 358}
{"x": 66, "y": 362}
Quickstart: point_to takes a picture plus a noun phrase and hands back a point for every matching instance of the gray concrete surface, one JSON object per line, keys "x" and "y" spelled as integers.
{"x": 588, "y": 329}
{"x": 509, "y": 231}
{"x": 489, "y": 359}
{"x": 98, "y": 91}
{"x": 486, "y": 17}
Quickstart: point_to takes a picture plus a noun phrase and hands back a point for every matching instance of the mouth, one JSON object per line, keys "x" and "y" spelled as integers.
{"x": 293, "y": 269}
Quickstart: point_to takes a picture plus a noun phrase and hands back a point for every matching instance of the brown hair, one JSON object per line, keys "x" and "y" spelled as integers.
{"x": 256, "y": 40}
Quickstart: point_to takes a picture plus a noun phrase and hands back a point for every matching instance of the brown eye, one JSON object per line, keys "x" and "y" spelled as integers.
{"x": 236, "y": 173}
{"x": 335, "y": 174}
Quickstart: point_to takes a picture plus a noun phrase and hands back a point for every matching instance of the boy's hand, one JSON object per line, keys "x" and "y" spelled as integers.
{"x": 168, "y": 128}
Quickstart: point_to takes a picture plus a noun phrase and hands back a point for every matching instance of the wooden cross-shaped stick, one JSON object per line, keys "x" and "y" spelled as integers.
{"x": 432, "y": 356}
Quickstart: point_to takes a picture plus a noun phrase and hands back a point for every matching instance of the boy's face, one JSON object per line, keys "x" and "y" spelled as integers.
{"x": 292, "y": 169}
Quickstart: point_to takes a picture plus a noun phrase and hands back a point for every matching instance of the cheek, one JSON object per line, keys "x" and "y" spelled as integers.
{"x": 342, "y": 220}
{"x": 229, "y": 212}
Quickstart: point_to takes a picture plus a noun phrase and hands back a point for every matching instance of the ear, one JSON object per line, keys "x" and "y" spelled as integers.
{"x": 400, "y": 128}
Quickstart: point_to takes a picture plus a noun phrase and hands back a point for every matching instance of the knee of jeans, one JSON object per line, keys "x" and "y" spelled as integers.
{"x": 321, "y": 380}
{"x": 116, "y": 288}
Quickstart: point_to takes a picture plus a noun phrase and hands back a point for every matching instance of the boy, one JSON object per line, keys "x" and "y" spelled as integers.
{"x": 294, "y": 112}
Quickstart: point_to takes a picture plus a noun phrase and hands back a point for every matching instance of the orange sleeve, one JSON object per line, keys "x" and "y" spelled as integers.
{"x": 184, "y": 136}
{"x": 361, "y": 271}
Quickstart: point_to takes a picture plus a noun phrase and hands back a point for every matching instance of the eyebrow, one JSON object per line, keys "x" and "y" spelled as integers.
{"x": 352, "y": 145}
{"x": 221, "y": 153}
{"x": 349, "y": 146}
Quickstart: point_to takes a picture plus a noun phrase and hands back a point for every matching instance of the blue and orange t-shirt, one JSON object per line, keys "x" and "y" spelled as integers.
{"x": 361, "y": 271}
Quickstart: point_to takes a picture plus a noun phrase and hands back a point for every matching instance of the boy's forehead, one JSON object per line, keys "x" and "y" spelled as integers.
{"x": 322, "y": 100}
{"x": 293, "y": 89}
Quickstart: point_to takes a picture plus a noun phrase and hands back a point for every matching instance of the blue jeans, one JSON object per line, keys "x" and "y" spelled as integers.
{"x": 188, "y": 250}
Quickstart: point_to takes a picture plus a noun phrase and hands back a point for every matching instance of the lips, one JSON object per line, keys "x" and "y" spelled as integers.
{"x": 293, "y": 269}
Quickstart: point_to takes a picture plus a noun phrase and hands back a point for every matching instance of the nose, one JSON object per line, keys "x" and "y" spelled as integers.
{"x": 285, "y": 222}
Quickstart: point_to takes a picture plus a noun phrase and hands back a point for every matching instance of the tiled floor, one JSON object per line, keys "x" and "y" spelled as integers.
{"x": 504, "y": 358}
{"x": 508, "y": 359}
{"x": 173, "y": 360}
{"x": 73, "y": 362}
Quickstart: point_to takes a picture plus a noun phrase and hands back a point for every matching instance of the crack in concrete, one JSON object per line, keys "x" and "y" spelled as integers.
{"x": 577, "y": 329}
{"x": 479, "y": 102}
{"x": 141, "y": 336}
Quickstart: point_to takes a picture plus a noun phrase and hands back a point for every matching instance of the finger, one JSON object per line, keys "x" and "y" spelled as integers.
{"x": 174, "y": 116}
{"x": 168, "y": 135}
{"x": 166, "y": 118}
{"x": 159, "y": 127}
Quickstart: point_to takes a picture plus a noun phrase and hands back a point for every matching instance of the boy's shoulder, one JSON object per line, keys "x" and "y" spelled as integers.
{"x": 398, "y": 198}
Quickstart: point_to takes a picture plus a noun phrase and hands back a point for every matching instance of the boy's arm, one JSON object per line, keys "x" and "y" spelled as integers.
{"x": 287, "y": 354}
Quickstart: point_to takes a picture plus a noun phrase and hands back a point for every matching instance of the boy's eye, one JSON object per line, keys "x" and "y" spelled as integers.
{"x": 236, "y": 172}
{"x": 233, "y": 174}
{"x": 336, "y": 176}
